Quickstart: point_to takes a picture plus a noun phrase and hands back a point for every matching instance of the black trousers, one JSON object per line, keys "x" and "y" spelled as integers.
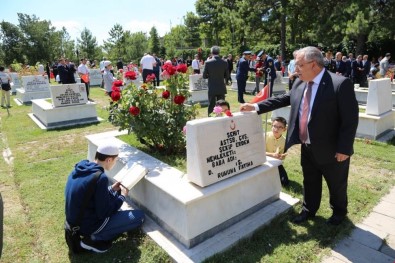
{"x": 335, "y": 174}
{"x": 86, "y": 86}
{"x": 156, "y": 72}
{"x": 241, "y": 88}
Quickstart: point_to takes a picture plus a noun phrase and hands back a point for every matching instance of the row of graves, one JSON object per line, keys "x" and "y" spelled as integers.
{"x": 55, "y": 106}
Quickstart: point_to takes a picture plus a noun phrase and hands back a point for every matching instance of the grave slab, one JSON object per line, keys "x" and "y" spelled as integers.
{"x": 176, "y": 204}
{"x": 379, "y": 99}
{"x": 33, "y": 87}
{"x": 46, "y": 116}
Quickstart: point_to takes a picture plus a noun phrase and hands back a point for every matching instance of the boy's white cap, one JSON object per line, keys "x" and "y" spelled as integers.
{"x": 107, "y": 62}
{"x": 108, "y": 149}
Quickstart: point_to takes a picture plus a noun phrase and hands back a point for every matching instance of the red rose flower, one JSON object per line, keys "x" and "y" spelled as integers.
{"x": 228, "y": 113}
{"x": 133, "y": 110}
{"x": 182, "y": 68}
{"x": 169, "y": 68}
{"x": 150, "y": 78}
{"x": 130, "y": 75}
{"x": 166, "y": 94}
{"x": 115, "y": 96}
{"x": 116, "y": 89}
{"x": 117, "y": 83}
{"x": 120, "y": 71}
{"x": 179, "y": 99}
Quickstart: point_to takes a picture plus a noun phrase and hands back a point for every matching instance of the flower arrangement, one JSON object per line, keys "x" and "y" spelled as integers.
{"x": 218, "y": 112}
{"x": 157, "y": 116}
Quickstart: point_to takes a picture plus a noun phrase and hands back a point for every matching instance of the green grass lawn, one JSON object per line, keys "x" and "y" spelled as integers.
{"x": 33, "y": 187}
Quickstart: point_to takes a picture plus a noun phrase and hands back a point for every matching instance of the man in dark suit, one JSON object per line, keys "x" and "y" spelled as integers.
{"x": 243, "y": 67}
{"x": 216, "y": 71}
{"x": 366, "y": 70}
{"x": 341, "y": 68}
{"x": 324, "y": 119}
{"x": 63, "y": 72}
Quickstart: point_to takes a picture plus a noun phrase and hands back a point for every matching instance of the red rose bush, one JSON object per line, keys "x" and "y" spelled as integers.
{"x": 156, "y": 115}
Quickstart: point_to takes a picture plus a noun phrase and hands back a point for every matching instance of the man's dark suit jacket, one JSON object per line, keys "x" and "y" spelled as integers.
{"x": 334, "y": 116}
{"x": 243, "y": 68}
{"x": 216, "y": 71}
{"x": 366, "y": 67}
{"x": 341, "y": 67}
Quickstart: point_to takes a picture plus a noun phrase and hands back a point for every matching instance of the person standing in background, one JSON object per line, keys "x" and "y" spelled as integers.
{"x": 83, "y": 72}
{"x": 216, "y": 71}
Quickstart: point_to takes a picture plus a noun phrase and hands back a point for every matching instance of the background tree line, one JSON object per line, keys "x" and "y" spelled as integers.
{"x": 279, "y": 26}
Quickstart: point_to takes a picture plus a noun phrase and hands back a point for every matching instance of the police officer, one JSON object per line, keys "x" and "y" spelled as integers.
{"x": 269, "y": 69}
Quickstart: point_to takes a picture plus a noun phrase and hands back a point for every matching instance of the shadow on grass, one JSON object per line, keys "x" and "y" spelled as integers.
{"x": 271, "y": 243}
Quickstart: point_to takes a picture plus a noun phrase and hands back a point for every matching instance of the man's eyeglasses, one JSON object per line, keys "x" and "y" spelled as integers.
{"x": 301, "y": 65}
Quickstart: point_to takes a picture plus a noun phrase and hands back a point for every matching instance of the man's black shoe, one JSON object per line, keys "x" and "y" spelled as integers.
{"x": 335, "y": 220}
{"x": 302, "y": 217}
{"x": 95, "y": 246}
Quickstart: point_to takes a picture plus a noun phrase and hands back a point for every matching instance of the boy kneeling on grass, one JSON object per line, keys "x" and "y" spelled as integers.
{"x": 275, "y": 142}
{"x": 100, "y": 221}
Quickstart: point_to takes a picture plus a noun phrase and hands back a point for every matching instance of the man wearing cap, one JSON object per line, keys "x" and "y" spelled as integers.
{"x": 384, "y": 63}
{"x": 102, "y": 221}
{"x": 242, "y": 75}
{"x": 108, "y": 77}
{"x": 269, "y": 70}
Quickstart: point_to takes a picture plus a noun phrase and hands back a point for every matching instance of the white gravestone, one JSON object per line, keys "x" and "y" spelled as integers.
{"x": 379, "y": 99}
{"x": 35, "y": 83}
{"x": 95, "y": 77}
{"x": 221, "y": 147}
{"x": 197, "y": 82}
{"x": 16, "y": 80}
{"x": 33, "y": 87}
{"x": 68, "y": 95}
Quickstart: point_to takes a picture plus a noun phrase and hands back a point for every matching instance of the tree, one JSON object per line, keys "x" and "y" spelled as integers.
{"x": 87, "y": 45}
{"x": 136, "y": 45}
{"x": 115, "y": 45}
{"x": 154, "y": 45}
{"x": 37, "y": 38}
{"x": 11, "y": 38}
{"x": 192, "y": 37}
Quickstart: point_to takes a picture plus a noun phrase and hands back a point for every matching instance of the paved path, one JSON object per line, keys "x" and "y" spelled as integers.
{"x": 373, "y": 240}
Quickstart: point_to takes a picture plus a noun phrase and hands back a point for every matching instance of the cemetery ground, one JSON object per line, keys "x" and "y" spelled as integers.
{"x": 36, "y": 163}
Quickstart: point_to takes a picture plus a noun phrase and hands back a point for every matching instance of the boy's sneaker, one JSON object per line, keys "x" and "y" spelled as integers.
{"x": 95, "y": 246}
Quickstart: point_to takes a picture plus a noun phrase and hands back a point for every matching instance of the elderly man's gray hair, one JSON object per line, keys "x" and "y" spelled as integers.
{"x": 215, "y": 50}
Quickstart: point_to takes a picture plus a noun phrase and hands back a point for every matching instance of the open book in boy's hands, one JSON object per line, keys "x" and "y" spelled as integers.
{"x": 129, "y": 176}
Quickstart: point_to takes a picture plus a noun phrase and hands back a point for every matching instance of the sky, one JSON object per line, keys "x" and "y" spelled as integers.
{"x": 99, "y": 16}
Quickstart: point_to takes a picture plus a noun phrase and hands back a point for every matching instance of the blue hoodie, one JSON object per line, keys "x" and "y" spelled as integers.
{"x": 103, "y": 204}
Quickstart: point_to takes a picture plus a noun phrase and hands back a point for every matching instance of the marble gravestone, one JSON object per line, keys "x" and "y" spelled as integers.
{"x": 69, "y": 107}
{"x": 95, "y": 77}
{"x": 198, "y": 88}
{"x": 231, "y": 145}
{"x": 68, "y": 95}
{"x": 33, "y": 87}
{"x": 16, "y": 80}
{"x": 379, "y": 117}
{"x": 192, "y": 222}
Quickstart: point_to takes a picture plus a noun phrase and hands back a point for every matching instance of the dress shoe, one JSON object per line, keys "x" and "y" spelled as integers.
{"x": 335, "y": 220}
{"x": 302, "y": 217}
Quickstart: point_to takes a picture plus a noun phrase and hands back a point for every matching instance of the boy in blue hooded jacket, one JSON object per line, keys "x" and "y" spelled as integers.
{"x": 102, "y": 220}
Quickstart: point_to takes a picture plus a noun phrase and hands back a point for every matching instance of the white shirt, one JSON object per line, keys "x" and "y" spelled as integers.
{"x": 195, "y": 64}
{"x": 147, "y": 62}
{"x": 83, "y": 69}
